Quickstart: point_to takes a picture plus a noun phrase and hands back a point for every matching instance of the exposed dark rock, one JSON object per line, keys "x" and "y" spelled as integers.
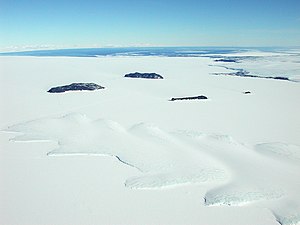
{"x": 76, "y": 87}
{"x": 189, "y": 98}
{"x": 279, "y": 78}
{"x": 144, "y": 75}
{"x": 225, "y": 60}
{"x": 243, "y": 73}
{"x": 247, "y": 92}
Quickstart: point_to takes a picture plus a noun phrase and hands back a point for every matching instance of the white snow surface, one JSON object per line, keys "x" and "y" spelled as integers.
{"x": 130, "y": 156}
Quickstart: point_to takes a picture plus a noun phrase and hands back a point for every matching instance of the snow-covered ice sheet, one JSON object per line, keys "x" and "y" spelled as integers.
{"x": 127, "y": 152}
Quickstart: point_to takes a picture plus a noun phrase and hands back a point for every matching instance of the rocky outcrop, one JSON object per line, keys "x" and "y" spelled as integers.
{"x": 144, "y": 75}
{"x": 243, "y": 73}
{"x": 279, "y": 78}
{"x": 76, "y": 87}
{"x": 200, "y": 97}
{"x": 226, "y": 60}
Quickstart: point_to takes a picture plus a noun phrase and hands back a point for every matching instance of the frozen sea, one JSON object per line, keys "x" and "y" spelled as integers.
{"x": 257, "y": 62}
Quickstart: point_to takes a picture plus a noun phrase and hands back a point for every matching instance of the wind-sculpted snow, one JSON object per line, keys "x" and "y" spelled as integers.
{"x": 280, "y": 151}
{"x": 255, "y": 178}
{"x": 240, "y": 195}
{"x": 242, "y": 174}
{"x": 162, "y": 159}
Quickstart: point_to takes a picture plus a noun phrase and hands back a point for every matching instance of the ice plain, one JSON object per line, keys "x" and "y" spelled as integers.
{"x": 130, "y": 156}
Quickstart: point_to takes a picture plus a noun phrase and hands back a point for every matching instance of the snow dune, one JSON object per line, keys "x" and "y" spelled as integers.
{"x": 162, "y": 159}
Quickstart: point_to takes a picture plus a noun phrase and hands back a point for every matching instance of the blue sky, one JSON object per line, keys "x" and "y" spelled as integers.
{"x": 149, "y": 22}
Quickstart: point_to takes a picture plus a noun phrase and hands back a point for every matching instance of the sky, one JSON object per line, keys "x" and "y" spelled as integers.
{"x": 104, "y": 23}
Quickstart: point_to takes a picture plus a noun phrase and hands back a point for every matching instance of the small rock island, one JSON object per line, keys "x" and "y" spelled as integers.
{"x": 144, "y": 75}
{"x": 246, "y": 92}
{"x": 226, "y": 60}
{"x": 76, "y": 87}
{"x": 189, "y": 98}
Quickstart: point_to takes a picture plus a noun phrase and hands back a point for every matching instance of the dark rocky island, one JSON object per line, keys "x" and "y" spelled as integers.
{"x": 247, "y": 92}
{"x": 189, "y": 98}
{"x": 226, "y": 60}
{"x": 144, "y": 75}
{"x": 76, "y": 87}
{"x": 278, "y": 78}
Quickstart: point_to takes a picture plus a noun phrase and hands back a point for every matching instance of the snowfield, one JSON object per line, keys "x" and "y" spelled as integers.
{"x": 127, "y": 155}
